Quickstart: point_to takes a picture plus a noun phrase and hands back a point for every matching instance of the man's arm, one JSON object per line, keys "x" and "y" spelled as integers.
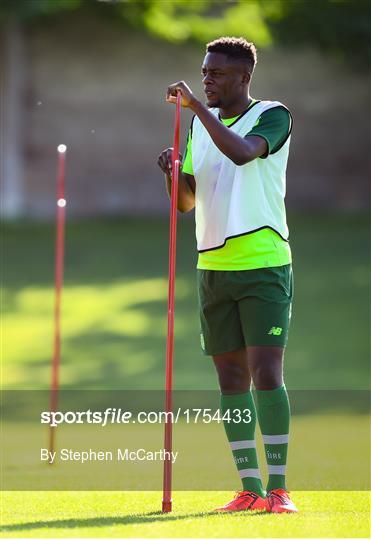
{"x": 236, "y": 148}
{"x": 186, "y": 186}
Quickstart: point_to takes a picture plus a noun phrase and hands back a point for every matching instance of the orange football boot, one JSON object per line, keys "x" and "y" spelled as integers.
{"x": 278, "y": 501}
{"x": 244, "y": 501}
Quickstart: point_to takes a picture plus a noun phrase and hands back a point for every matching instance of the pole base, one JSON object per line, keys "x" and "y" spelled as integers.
{"x": 166, "y": 506}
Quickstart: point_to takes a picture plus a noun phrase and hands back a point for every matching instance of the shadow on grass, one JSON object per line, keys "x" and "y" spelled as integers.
{"x": 150, "y": 517}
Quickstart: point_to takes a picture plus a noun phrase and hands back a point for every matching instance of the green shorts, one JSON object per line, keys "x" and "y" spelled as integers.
{"x": 243, "y": 308}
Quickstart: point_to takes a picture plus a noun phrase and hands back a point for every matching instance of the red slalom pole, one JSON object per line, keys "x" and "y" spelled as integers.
{"x": 166, "y": 498}
{"x": 59, "y": 264}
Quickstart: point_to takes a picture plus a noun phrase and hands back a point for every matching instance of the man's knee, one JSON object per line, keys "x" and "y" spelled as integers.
{"x": 233, "y": 372}
{"x": 266, "y": 366}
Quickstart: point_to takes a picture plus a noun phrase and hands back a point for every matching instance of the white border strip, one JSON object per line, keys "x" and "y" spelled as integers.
{"x": 240, "y": 445}
{"x": 249, "y": 473}
{"x": 276, "y": 439}
{"x": 277, "y": 469}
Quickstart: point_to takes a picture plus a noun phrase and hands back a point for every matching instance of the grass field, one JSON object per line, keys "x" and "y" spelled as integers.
{"x": 114, "y": 330}
{"x": 114, "y": 305}
{"x": 136, "y": 514}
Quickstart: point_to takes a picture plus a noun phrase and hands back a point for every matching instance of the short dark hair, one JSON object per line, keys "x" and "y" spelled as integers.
{"x": 236, "y": 48}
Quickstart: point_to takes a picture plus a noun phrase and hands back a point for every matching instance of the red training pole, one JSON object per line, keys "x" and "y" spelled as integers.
{"x": 59, "y": 263}
{"x": 166, "y": 499}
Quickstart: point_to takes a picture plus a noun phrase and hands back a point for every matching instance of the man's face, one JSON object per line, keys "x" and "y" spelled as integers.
{"x": 224, "y": 80}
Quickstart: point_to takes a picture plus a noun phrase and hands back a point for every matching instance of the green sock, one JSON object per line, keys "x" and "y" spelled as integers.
{"x": 274, "y": 420}
{"x": 241, "y": 437}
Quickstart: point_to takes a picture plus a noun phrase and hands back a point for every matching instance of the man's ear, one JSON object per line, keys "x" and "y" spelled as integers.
{"x": 246, "y": 77}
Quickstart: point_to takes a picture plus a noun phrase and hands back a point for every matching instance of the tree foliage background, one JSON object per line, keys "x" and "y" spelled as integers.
{"x": 341, "y": 28}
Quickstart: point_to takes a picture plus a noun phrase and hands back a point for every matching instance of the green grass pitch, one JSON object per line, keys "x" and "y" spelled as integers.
{"x": 114, "y": 305}
{"x": 114, "y": 331}
{"x": 137, "y": 514}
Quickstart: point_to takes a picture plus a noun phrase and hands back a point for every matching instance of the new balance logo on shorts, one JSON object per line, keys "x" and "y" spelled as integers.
{"x": 275, "y": 331}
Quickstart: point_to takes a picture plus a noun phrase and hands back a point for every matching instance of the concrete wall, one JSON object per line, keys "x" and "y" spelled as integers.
{"x": 98, "y": 88}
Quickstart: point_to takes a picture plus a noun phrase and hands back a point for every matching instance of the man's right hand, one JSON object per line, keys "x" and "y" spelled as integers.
{"x": 186, "y": 194}
{"x": 165, "y": 160}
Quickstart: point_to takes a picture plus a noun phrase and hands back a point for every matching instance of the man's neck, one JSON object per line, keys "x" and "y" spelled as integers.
{"x": 236, "y": 109}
